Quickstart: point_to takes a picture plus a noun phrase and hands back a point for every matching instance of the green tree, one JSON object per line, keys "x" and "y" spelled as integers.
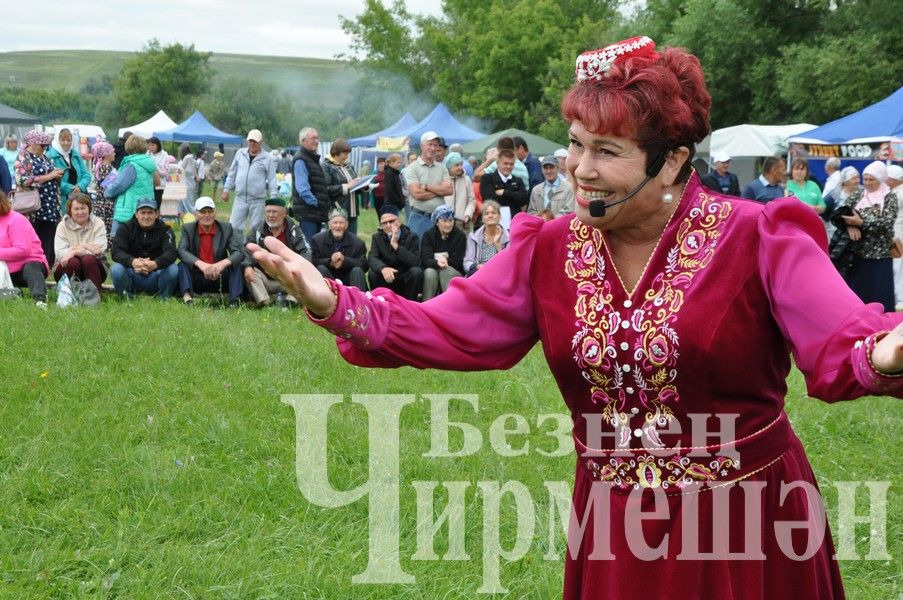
{"x": 239, "y": 105}
{"x": 489, "y": 59}
{"x": 51, "y": 104}
{"x": 817, "y": 90}
{"x": 381, "y": 39}
{"x": 171, "y": 77}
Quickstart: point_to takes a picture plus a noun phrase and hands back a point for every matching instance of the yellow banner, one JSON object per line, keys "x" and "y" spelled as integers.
{"x": 393, "y": 144}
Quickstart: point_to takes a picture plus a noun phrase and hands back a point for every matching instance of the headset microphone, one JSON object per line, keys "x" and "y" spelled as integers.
{"x": 597, "y": 207}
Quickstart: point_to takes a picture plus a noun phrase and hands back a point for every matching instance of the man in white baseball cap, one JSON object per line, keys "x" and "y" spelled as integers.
{"x": 428, "y": 184}
{"x": 253, "y": 177}
{"x": 721, "y": 179}
{"x": 210, "y": 254}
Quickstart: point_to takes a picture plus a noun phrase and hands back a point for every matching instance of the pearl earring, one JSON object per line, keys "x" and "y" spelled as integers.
{"x": 667, "y": 198}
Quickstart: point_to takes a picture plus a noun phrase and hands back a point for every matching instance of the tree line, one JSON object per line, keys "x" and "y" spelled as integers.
{"x": 766, "y": 61}
{"x": 180, "y": 80}
{"x": 508, "y": 64}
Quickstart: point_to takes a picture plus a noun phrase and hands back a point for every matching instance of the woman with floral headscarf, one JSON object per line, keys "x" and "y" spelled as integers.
{"x": 872, "y": 223}
{"x": 34, "y": 170}
{"x": 104, "y": 153}
{"x": 442, "y": 252}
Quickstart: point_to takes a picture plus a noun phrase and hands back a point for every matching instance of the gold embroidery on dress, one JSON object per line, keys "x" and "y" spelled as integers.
{"x": 629, "y": 354}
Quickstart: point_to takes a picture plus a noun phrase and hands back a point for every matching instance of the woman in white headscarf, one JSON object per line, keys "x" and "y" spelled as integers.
{"x": 872, "y": 223}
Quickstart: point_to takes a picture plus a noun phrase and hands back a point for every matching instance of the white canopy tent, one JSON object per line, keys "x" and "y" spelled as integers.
{"x": 159, "y": 122}
{"x": 745, "y": 144}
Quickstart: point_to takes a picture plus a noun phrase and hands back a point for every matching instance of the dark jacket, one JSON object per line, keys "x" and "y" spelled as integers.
{"x": 455, "y": 244}
{"x": 534, "y": 168}
{"x": 710, "y": 180}
{"x": 842, "y": 248}
{"x": 334, "y": 180}
{"x": 226, "y": 244}
{"x": 157, "y": 243}
{"x": 293, "y": 237}
{"x": 515, "y": 196}
{"x": 394, "y": 192}
{"x": 317, "y": 180}
{"x": 352, "y": 247}
{"x": 382, "y": 254}
{"x": 6, "y": 179}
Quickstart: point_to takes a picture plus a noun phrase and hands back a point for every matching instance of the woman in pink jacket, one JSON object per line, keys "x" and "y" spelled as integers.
{"x": 20, "y": 249}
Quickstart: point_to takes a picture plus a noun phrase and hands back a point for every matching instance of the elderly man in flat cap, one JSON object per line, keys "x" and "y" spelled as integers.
{"x": 264, "y": 289}
{"x": 339, "y": 254}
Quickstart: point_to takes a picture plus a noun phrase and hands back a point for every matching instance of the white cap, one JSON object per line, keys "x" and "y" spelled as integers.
{"x": 561, "y": 153}
{"x": 895, "y": 172}
{"x": 721, "y": 157}
{"x": 429, "y": 135}
{"x": 255, "y": 135}
{"x": 204, "y": 202}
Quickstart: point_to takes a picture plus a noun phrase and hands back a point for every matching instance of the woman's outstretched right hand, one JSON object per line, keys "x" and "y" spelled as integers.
{"x": 298, "y": 276}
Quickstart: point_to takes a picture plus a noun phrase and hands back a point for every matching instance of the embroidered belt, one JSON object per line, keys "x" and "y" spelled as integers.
{"x": 675, "y": 469}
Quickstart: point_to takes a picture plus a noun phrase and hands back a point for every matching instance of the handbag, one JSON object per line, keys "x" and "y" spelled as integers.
{"x": 85, "y": 292}
{"x": 26, "y": 201}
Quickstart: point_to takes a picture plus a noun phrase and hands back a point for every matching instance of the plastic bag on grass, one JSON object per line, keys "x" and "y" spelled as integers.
{"x": 65, "y": 297}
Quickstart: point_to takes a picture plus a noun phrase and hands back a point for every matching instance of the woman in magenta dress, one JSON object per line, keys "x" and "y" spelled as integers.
{"x": 665, "y": 311}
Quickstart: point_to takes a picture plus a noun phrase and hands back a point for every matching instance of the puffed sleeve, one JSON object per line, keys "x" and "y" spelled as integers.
{"x": 830, "y": 330}
{"x": 483, "y": 322}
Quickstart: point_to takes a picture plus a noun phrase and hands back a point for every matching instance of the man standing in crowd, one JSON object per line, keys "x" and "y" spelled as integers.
{"x": 441, "y": 150}
{"x": 561, "y": 156}
{"x": 284, "y": 164}
{"x": 522, "y": 152}
{"x": 395, "y": 256}
{"x": 338, "y": 254}
{"x": 721, "y": 179}
{"x": 277, "y": 224}
{"x": 503, "y": 186}
{"x": 832, "y": 170}
{"x": 554, "y": 193}
{"x": 310, "y": 198}
{"x": 253, "y": 177}
{"x": 144, "y": 254}
{"x": 767, "y": 186}
{"x": 428, "y": 184}
{"x": 211, "y": 256}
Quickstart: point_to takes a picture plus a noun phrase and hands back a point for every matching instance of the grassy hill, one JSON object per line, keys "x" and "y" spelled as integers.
{"x": 305, "y": 77}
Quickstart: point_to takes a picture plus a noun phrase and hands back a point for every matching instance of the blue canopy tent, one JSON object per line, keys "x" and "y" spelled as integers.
{"x": 197, "y": 128}
{"x": 445, "y": 124}
{"x": 405, "y": 122}
{"x": 873, "y": 133}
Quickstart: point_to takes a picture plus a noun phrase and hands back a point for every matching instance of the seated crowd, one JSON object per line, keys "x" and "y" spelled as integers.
{"x": 436, "y": 222}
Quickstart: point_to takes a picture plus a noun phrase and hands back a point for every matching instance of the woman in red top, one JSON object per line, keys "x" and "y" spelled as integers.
{"x": 666, "y": 312}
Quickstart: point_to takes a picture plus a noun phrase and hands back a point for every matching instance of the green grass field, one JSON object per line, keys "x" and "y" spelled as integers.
{"x": 300, "y": 77}
{"x": 146, "y": 453}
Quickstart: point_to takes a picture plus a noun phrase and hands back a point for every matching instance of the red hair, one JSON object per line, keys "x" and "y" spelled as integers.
{"x": 660, "y": 102}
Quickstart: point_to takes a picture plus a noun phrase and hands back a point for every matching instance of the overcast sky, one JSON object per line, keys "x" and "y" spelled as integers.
{"x": 269, "y": 27}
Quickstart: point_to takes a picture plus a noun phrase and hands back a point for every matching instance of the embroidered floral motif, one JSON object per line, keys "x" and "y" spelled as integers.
{"x": 650, "y": 472}
{"x": 629, "y": 355}
{"x": 354, "y": 324}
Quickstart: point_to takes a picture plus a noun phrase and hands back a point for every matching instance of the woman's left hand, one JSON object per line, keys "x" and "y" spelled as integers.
{"x": 887, "y": 355}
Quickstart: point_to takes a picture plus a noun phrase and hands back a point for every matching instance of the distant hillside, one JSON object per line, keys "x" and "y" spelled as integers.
{"x": 315, "y": 78}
